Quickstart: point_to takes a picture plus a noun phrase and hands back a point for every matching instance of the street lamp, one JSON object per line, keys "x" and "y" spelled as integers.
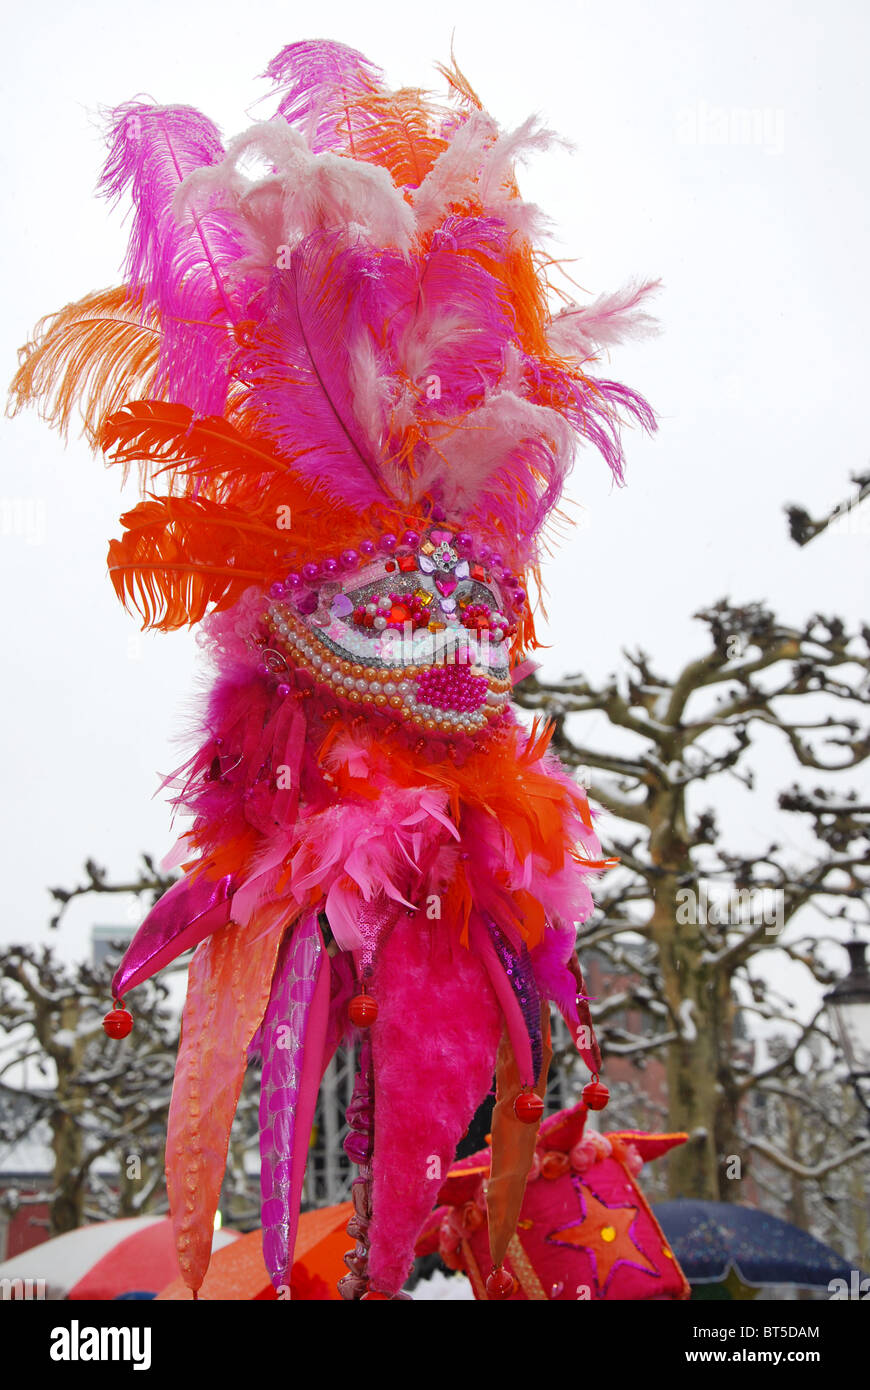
{"x": 848, "y": 1005}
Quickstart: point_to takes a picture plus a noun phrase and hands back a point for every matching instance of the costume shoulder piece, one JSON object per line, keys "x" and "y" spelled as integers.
{"x": 336, "y": 363}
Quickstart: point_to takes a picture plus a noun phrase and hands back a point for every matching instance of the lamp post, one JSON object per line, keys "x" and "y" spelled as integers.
{"x": 848, "y": 1005}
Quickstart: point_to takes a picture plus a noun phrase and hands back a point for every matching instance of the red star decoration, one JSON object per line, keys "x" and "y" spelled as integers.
{"x": 604, "y": 1233}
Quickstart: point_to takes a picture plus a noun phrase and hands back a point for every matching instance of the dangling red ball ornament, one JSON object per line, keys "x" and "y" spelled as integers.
{"x": 118, "y": 1022}
{"x": 595, "y": 1095}
{"x": 500, "y": 1284}
{"x": 528, "y": 1107}
{"x": 362, "y": 1010}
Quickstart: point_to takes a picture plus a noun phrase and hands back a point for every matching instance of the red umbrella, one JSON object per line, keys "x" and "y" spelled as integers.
{"x": 105, "y": 1259}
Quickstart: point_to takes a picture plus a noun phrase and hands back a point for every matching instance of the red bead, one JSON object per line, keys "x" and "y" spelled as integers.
{"x": 118, "y": 1023}
{"x": 362, "y": 1010}
{"x": 477, "y": 572}
{"x": 407, "y": 563}
{"x": 595, "y": 1095}
{"x": 500, "y": 1284}
{"x": 528, "y": 1107}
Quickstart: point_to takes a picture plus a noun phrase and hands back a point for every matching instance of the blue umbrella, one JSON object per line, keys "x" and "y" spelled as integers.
{"x": 709, "y": 1238}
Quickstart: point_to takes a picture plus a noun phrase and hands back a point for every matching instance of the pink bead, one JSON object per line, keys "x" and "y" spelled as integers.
{"x": 367, "y": 548}
{"x": 349, "y": 559}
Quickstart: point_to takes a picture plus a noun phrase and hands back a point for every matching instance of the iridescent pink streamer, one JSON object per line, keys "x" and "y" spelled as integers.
{"x": 514, "y": 1021}
{"x": 189, "y": 912}
{"x": 292, "y": 1043}
{"x": 517, "y": 967}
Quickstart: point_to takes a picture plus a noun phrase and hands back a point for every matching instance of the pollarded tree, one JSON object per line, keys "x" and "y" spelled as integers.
{"x": 99, "y": 1099}
{"x": 810, "y": 1160}
{"x": 707, "y": 912}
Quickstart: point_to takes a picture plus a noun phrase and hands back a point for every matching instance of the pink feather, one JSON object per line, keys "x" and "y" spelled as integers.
{"x": 317, "y": 84}
{"x": 182, "y": 268}
{"x": 296, "y": 369}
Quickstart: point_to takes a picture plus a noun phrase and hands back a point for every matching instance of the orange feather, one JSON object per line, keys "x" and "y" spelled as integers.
{"x": 93, "y": 354}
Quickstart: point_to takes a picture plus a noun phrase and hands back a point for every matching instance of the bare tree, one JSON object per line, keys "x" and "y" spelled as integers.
{"x": 101, "y": 1098}
{"x": 803, "y": 528}
{"x": 104, "y": 1103}
{"x": 676, "y": 736}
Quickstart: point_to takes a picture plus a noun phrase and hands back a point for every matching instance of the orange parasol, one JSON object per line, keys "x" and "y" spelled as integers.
{"x": 321, "y": 1243}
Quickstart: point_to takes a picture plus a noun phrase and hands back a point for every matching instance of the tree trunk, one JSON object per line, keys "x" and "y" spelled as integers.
{"x": 700, "y": 1004}
{"x": 67, "y": 1206}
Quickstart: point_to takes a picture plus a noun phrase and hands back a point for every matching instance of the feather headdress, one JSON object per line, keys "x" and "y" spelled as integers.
{"x": 334, "y": 363}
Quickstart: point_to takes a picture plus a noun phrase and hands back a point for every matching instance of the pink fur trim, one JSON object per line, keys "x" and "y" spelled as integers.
{"x": 435, "y": 1044}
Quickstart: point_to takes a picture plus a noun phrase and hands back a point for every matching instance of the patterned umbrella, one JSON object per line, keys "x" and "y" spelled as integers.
{"x": 710, "y": 1238}
{"x": 101, "y": 1261}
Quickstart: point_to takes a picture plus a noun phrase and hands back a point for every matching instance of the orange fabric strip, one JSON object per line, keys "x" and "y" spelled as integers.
{"x": 228, "y": 989}
{"x": 513, "y": 1144}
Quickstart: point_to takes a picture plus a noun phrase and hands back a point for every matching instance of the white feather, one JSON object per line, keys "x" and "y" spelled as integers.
{"x": 611, "y": 318}
{"x": 510, "y": 147}
{"x": 372, "y": 389}
{"x": 305, "y": 191}
{"x": 483, "y": 441}
{"x": 456, "y": 167}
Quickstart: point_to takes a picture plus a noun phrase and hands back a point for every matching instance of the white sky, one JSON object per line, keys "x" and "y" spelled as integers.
{"x": 759, "y": 377}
